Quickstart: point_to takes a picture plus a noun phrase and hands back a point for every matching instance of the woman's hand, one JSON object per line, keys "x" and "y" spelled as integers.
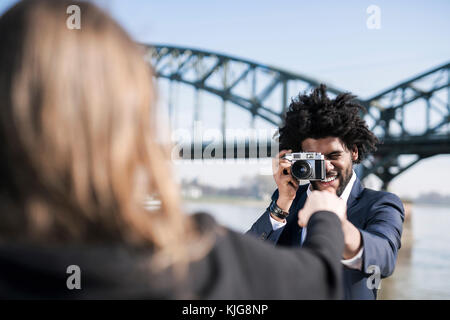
{"x": 322, "y": 201}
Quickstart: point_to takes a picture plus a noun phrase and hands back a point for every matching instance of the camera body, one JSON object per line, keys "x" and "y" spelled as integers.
{"x": 307, "y": 165}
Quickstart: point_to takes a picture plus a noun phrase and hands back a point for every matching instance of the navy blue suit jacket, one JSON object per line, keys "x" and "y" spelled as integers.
{"x": 379, "y": 217}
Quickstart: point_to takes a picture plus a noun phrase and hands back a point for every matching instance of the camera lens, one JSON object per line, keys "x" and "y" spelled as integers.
{"x": 301, "y": 170}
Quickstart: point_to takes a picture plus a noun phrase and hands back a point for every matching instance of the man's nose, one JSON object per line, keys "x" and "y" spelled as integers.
{"x": 328, "y": 165}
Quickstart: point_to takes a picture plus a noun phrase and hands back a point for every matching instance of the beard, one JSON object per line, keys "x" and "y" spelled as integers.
{"x": 343, "y": 178}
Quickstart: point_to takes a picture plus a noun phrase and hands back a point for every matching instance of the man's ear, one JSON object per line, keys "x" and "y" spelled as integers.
{"x": 354, "y": 152}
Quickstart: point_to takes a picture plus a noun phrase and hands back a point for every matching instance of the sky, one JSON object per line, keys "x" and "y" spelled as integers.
{"x": 327, "y": 40}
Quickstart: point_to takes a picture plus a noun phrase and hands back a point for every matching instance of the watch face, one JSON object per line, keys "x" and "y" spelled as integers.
{"x": 278, "y": 209}
{"x": 275, "y": 207}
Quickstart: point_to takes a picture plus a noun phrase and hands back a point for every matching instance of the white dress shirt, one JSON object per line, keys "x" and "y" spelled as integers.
{"x": 352, "y": 263}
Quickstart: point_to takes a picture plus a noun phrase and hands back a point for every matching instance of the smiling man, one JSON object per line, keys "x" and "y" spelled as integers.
{"x": 373, "y": 225}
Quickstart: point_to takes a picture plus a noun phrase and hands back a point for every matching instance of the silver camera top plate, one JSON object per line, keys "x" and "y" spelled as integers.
{"x": 303, "y": 156}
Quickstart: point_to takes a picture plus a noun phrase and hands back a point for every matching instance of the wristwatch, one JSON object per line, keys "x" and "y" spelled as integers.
{"x": 276, "y": 210}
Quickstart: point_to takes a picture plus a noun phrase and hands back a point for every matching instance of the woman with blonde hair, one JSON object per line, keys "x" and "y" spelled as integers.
{"x": 79, "y": 154}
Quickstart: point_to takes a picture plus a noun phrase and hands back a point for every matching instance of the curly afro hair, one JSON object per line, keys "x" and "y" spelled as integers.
{"x": 316, "y": 116}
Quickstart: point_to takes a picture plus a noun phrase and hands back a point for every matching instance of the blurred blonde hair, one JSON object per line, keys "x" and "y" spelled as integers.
{"x": 78, "y": 143}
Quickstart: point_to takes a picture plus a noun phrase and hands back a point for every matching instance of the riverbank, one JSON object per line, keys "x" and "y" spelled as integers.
{"x": 408, "y": 204}
{"x": 241, "y": 201}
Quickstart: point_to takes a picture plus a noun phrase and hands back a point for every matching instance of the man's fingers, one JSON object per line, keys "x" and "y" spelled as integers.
{"x": 285, "y": 165}
{"x": 285, "y": 178}
{"x": 282, "y": 153}
{"x": 276, "y": 162}
{"x": 283, "y": 171}
{"x": 293, "y": 182}
{"x": 291, "y": 185}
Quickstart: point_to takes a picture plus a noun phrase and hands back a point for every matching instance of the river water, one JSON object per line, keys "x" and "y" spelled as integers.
{"x": 423, "y": 266}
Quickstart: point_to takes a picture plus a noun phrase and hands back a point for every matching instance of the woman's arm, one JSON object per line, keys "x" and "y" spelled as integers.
{"x": 241, "y": 267}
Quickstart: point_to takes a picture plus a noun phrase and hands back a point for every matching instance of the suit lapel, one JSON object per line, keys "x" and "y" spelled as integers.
{"x": 355, "y": 194}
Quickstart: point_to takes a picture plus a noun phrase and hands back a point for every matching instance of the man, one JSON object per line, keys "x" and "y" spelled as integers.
{"x": 373, "y": 224}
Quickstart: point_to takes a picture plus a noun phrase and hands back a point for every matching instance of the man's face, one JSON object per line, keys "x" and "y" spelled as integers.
{"x": 338, "y": 162}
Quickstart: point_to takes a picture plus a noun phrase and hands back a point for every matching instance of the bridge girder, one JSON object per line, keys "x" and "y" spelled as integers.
{"x": 425, "y": 93}
{"x": 224, "y": 75}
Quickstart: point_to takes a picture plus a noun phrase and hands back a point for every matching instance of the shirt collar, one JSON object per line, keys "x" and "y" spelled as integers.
{"x": 344, "y": 196}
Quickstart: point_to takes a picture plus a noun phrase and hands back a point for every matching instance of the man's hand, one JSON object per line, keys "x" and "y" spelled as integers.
{"x": 322, "y": 201}
{"x": 287, "y": 185}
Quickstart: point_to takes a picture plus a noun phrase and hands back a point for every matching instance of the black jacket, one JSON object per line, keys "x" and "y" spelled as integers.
{"x": 237, "y": 267}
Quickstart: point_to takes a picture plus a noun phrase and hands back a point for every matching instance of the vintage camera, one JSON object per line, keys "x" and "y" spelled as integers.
{"x": 307, "y": 165}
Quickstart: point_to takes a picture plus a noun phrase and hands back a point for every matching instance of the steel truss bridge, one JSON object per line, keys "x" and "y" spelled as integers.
{"x": 412, "y": 119}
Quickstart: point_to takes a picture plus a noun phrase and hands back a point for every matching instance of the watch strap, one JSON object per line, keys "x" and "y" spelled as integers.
{"x": 277, "y": 211}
